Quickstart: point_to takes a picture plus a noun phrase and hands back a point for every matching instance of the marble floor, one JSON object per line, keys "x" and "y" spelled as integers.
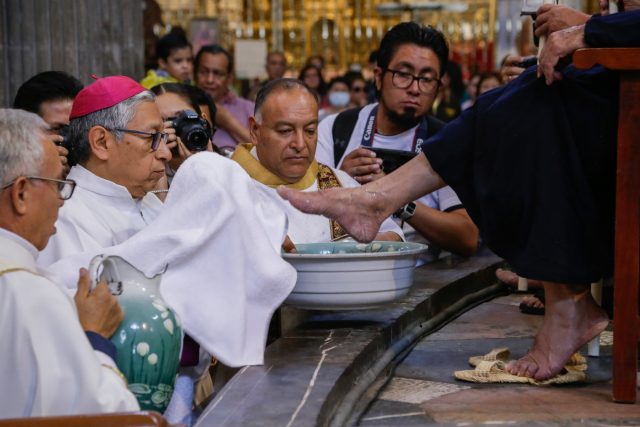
{"x": 423, "y": 390}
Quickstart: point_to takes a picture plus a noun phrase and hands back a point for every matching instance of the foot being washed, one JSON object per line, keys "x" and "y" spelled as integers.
{"x": 358, "y": 210}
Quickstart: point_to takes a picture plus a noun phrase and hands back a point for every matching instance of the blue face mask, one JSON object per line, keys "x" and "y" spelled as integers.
{"x": 339, "y": 99}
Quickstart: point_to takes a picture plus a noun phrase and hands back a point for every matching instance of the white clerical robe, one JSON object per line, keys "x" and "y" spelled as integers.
{"x": 47, "y": 366}
{"x": 217, "y": 244}
{"x": 100, "y": 214}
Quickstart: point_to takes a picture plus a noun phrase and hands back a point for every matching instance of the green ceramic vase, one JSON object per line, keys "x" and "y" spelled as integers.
{"x": 149, "y": 338}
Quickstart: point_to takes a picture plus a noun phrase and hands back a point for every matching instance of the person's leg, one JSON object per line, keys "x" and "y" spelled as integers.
{"x": 572, "y": 318}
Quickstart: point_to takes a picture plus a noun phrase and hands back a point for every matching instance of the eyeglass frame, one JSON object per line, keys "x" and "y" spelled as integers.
{"x": 155, "y": 139}
{"x": 66, "y": 182}
{"x": 413, "y": 79}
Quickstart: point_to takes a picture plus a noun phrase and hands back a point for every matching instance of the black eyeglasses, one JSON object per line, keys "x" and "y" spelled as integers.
{"x": 65, "y": 187}
{"x": 156, "y": 137}
{"x": 402, "y": 80}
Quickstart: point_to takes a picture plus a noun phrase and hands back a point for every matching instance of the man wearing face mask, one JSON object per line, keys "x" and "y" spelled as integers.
{"x": 411, "y": 61}
{"x": 338, "y": 96}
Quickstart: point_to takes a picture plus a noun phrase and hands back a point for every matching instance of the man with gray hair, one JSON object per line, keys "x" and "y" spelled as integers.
{"x": 56, "y": 358}
{"x": 117, "y": 137}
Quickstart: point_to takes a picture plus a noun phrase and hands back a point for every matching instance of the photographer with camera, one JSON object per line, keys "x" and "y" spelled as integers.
{"x": 187, "y": 126}
{"x": 183, "y": 118}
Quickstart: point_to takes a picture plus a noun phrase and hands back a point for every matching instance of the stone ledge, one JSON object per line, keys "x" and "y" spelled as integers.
{"x": 326, "y": 370}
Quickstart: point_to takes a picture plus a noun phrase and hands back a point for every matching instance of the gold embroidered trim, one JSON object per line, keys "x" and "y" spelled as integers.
{"x": 328, "y": 179}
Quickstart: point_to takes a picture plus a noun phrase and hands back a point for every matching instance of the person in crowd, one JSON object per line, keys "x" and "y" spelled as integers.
{"x": 275, "y": 66}
{"x": 214, "y": 73}
{"x": 283, "y": 144}
{"x": 171, "y": 100}
{"x": 175, "y": 61}
{"x": 410, "y": 62}
{"x": 338, "y": 97}
{"x": 57, "y": 358}
{"x": 487, "y": 82}
{"x": 118, "y": 137}
{"x": 551, "y": 223}
{"x": 446, "y": 106}
{"x": 50, "y": 95}
{"x": 312, "y": 77}
{"x": 316, "y": 61}
{"x": 471, "y": 92}
{"x": 357, "y": 89}
{"x": 372, "y": 92}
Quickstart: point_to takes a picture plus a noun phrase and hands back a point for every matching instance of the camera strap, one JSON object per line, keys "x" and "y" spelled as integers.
{"x": 419, "y": 137}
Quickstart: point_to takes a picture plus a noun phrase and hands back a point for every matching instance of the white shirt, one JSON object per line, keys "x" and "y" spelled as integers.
{"x": 443, "y": 199}
{"x": 308, "y": 228}
{"x": 47, "y": 366}
{"x": 100, "y": 214}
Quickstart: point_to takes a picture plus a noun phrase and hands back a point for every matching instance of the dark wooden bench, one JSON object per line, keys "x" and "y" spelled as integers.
{"x": 626, "y": 318}
{"x": 126, "y": 419}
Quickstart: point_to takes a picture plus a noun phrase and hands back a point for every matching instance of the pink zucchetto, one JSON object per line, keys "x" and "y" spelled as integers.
{"x": 104, "y": 93}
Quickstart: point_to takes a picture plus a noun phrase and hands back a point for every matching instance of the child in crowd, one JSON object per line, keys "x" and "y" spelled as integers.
{"x": 175, "y": 62}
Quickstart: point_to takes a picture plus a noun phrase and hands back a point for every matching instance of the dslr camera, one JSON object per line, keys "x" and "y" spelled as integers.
{"x": 193, "y": 130}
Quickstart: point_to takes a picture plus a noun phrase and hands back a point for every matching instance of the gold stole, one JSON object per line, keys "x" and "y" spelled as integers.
{"x": 328, "y": 179}
{"x": 325, "y": 176}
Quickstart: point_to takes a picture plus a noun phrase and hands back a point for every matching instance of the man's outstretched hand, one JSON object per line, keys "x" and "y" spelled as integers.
{"x": 359, "y": 211}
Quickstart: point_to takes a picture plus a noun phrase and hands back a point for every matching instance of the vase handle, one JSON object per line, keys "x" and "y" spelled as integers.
{"x": 104, "y": 267}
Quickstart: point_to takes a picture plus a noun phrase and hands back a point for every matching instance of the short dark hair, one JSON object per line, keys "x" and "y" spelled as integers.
{"x": 353, "y": 76}
{"x": 179, "y": 89}
{"x": 170, "y": 42}
{"x": 486, "y": 76}
{"x": 338, "y": 79}
{"x": 213, "y": 49}
{"x": 203, "y": 98}
{"x": 278, "y": 85}
{"x": 412, "y": 33}
{"x": 46, "y": 86}
{"x": 373, "y": 56}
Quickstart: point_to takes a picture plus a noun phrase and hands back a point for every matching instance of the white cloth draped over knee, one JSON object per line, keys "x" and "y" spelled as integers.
{"x": 219, "y": 240}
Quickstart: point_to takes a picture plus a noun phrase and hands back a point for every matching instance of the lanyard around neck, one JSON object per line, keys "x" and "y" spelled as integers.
{"x": 419, "y": 136}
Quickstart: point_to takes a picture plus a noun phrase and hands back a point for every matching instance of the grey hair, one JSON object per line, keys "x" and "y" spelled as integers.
{"x": 276, "y": 86}
{"x": 21, "y": 151}
{"x": 117, "y": 116}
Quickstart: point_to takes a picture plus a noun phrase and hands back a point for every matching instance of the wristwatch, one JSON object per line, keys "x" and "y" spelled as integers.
{"x": 406, "y": 211}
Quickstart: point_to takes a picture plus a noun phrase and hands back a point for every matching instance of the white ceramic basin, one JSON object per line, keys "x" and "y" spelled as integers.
{"x": 349, "y": 275}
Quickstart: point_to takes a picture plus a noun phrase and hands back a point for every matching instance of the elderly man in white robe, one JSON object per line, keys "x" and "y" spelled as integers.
{"x": 118, "y": 139}
{"x": 56, "y": 358}
{"x": 282, "y": 152}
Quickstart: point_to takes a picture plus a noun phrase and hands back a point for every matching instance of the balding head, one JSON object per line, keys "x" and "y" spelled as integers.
{"x": 275, "y": 86}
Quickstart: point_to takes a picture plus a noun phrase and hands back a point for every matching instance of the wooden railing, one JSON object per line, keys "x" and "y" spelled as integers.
{"x": 626, "y": 318}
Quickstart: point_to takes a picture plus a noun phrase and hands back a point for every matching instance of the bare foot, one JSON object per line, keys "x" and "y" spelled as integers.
{"x": 358, "y": 210}
{"x": 531, "y": 302}
{"x": 511, "y": 279}
{"x": 507, "y": 277}
{"x": 572, "y": 319}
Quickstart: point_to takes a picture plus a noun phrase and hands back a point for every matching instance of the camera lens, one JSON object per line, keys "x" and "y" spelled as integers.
{"x": 192, "y": 130}
{"x": 196, "y": 139}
